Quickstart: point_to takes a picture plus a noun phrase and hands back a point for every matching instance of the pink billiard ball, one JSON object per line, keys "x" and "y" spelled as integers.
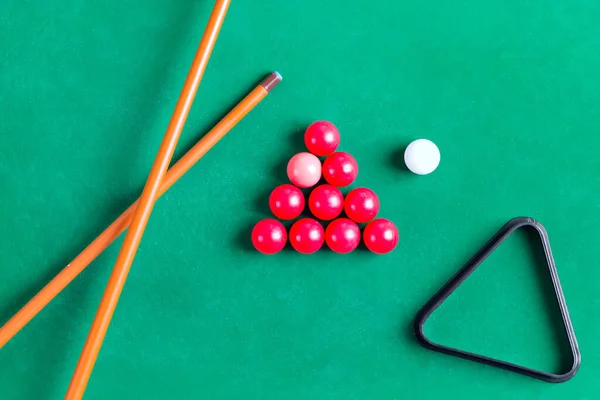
{"x": 304, "y": 170}
{"x": 269, "y": 236}
{"x": 380, "y": 236}
{"x": 307, "y": 236}
{"x": 286, "y": 201}
{"x": 340, "y": 169}
{"x": 342, "y": 235}
{"x": 326, "y": 202}
{"x": 361, "y": 205}
{"x": 322, "y": 138}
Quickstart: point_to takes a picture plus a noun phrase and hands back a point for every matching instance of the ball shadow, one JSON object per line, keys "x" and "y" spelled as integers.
{"x": 396, "y": 159}
{"x": 243, "y": 240}
{"x": 261, "y": 203}
{"x": 296, "y": 139}
{"x": 362, "y": 247}
{"x": 279, "y": 172}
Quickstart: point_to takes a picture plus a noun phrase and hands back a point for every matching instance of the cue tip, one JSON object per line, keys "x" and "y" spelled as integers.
{"x": 271, "y": 81}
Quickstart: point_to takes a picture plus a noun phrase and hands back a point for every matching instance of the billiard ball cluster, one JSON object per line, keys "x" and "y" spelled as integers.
{"x": 326, "y": 203}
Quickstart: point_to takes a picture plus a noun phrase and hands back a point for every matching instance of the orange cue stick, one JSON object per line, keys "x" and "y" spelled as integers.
{"x": 117, "y": 279}
{"x": 89, "y": 254}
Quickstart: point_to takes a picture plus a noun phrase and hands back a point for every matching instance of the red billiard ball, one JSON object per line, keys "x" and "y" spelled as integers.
{"x": 340, "y": 169}
{"x": 380, "y": 236}
{"x": 322, "y": 138}
{"x": 326, "y": 202}
{"x": 307, "y": 236}
{"x": 286, "y": 201}
{"x": 269, "y": 236}
{"x": 361, "y": 205}
{"x": 342, "y": 235}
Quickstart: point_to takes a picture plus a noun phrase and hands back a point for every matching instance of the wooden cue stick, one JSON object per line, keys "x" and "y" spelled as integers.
{"x": 109, "y": 301}
{"x": 94, "y": 249}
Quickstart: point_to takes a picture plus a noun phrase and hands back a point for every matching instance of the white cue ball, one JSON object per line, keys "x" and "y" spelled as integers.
{"x": 422, "y": 156}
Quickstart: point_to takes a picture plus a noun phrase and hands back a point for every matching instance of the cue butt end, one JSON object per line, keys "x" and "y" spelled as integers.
{"x": 271, "y": 81}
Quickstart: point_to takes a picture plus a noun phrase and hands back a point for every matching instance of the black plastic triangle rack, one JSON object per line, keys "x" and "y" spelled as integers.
{"x": 464, "y": 273}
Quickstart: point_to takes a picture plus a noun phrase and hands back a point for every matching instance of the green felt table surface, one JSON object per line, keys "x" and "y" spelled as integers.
{"x": 509, "y": 91}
